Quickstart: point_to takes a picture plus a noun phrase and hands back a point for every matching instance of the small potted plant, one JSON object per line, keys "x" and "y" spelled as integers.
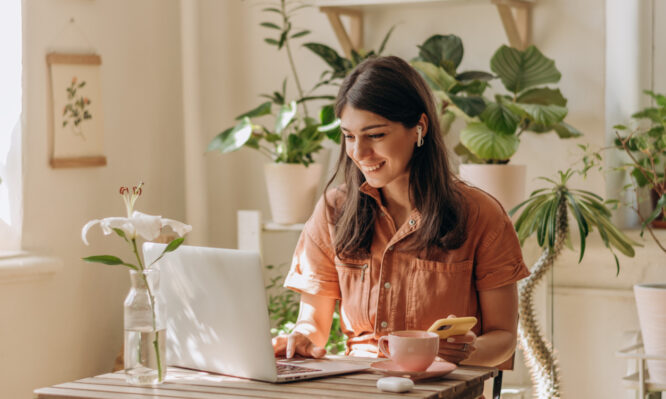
{"x": 292, "y": 138}
{"x": 646, "y": 148}
{"x": 493, "y": 127}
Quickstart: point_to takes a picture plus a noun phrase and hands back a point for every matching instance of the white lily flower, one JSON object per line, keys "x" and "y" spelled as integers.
{"x": 138, "y": 224}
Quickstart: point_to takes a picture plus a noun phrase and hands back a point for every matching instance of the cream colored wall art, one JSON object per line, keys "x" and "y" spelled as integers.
{"x": 76, "y": 114}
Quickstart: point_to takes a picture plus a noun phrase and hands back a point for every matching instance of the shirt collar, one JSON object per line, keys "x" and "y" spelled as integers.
{"x": 373, "y": 192}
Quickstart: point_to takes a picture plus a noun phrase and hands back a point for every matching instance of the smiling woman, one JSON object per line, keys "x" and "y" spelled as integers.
{"x": 402, "y": 243}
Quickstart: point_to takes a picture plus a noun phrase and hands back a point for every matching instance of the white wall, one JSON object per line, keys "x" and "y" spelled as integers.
{"x": 70, "y": 326}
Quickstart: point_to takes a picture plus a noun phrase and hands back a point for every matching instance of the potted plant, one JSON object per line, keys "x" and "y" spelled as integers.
{"x": 546, "y": 213}
{"x": 492, "y": 134}
{"x": 292, "y": 138}
{"x": 646, "y": 149}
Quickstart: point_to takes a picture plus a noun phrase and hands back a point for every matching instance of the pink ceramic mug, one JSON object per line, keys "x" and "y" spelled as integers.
{"x": 410, "y": 350}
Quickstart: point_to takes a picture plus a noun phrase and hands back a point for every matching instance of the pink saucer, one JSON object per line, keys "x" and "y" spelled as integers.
{"x": 436, "y": 369}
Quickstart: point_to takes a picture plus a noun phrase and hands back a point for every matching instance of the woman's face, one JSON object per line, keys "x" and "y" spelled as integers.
{"x": 380, "y": 148}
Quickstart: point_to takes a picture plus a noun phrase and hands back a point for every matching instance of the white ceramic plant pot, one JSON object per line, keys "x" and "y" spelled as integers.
{"x": 651, "y": 304}
{"x": 504, "y": 182}
{"x": 291, "y": 191}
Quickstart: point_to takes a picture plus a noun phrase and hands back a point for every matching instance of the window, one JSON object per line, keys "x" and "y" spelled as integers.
{"x": 10, "y": 126}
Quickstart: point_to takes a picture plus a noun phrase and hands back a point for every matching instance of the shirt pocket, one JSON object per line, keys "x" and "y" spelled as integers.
{"x": 436, "y": 290}
{"x": 354, "y": 280}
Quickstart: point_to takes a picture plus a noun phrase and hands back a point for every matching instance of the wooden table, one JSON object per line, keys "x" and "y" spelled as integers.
{"x": 463, "y": 383}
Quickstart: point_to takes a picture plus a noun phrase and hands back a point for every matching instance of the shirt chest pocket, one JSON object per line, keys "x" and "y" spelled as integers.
{"x": 354, "y": 279}
{"x": 437, "y": 289}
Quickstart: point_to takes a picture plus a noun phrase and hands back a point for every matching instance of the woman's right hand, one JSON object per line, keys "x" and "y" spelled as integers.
{"x": 296, "y": 343}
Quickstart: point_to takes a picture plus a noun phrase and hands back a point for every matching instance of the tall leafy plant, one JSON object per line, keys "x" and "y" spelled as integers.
{"x": 546, "y": 214}
{"x": 294, "y": 136}
{"x": 459, "y": 94}
{"x": 494, "y": 126}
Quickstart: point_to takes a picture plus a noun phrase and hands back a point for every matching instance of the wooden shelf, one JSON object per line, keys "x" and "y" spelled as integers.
{"x": 516, "y": 16}
{"x": 633, "y": 382}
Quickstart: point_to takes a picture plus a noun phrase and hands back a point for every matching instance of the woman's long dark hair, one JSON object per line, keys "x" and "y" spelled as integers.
{"x": 391, "y": 88}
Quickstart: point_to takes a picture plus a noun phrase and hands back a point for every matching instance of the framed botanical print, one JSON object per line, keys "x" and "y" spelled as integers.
{"x": 76, "y": 136}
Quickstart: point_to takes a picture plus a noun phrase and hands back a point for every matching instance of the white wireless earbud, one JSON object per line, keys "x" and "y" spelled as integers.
{"x": 419, "y": 140}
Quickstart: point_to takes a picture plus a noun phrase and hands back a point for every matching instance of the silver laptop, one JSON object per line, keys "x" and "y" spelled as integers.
{"x": 217, "y": 317}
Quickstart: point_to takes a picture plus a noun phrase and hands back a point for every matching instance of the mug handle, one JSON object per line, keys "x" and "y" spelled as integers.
{"x": 381, "y": 344}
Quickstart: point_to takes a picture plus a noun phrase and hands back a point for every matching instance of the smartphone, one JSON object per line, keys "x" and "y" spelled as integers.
{"x": 453, "y": 326}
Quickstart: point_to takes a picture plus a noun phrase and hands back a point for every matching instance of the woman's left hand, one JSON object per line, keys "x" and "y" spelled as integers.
{"x": 457, "y": 348}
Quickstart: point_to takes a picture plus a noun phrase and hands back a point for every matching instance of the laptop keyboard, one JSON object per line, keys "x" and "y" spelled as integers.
{"x": 284, "y": 369}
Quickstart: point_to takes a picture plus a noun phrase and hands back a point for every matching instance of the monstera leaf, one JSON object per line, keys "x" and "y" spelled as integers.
{"x": 520, "y": 70}
{"x": 488, "y": 144}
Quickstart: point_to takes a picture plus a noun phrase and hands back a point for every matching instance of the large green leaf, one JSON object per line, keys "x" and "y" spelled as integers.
{"x": 488, "y": 144}
{"x": 500, "y": 118}
{"x": 261, "y": 110}
{"x": 285, "y": 116}
{"x": 520, "y": 70}
{"x": 471, "y": 105}
{"x": 469, "y": 76}
{"x": 566, "y": 131}
{"x": 442, "y": 50}
{"x": 543, "y": 96}
{"x": 232, "y": 138}
{"x": 546, "y": 115}
{"x": 437, "y": 77}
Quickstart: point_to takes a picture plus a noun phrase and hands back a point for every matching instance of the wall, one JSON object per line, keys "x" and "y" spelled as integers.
{"x": 70, "y": 326}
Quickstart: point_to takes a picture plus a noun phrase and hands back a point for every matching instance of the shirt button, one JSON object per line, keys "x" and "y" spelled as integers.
{"x": 390, "y": 248}
{"x": 412, "y": 222}
{"x": 387, "y": 285}
{"x": 384, "y": 324}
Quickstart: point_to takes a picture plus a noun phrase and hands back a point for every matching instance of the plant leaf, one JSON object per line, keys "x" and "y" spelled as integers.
{"x": 544, "y": 115}
{"x": 285, "y": 116}
{"x": 261, "y": 110}
{"x": 383, "y": 45}
{"x": 442, "y": 50}
{"x": 109, "y": 260}
{"x": 270, "y": 25}
{"x": 542, "y": 96}
{"x": 300, "y": 34}
{"x": 520, "y": 70}
{"x": 339, "y": 64}
{"x": 658, "y": 210}
{"x": 437, "y": 77}
{"x": 566, "y": 131}
{"x": 233, "y": 138}
{"x": 500, "y": 118}
{"x": 469, "y": 76}
{"x": 488, "y": 144}
{"x": 471, "y": 105}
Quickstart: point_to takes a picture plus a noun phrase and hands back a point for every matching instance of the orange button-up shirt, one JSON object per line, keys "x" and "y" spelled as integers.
{"x": 397, "y": 289}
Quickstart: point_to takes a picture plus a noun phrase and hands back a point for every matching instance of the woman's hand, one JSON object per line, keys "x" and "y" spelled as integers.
{"x": 296, "y": 343}
{"x": 457, "y": 348}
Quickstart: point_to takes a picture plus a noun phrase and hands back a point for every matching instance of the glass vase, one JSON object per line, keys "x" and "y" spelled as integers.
{"x": 145, "y": 330}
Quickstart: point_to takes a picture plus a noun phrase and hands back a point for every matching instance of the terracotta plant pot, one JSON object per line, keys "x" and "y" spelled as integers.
{"x": 651, "y": 304}
{"x": 504, "y": 182}
{"x": 291, "y": 191}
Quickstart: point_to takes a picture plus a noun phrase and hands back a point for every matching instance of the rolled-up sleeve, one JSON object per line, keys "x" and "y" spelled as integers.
{"x": 313, "y": 268}
{"x": 499, "y": 259}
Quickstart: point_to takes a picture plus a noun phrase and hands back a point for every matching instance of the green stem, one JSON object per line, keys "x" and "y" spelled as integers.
{"x": 291, "y": 61}
{"x": 152, "y": 309}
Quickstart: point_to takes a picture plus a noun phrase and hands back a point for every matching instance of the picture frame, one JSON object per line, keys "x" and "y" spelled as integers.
{"x": 76, "y": 120}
